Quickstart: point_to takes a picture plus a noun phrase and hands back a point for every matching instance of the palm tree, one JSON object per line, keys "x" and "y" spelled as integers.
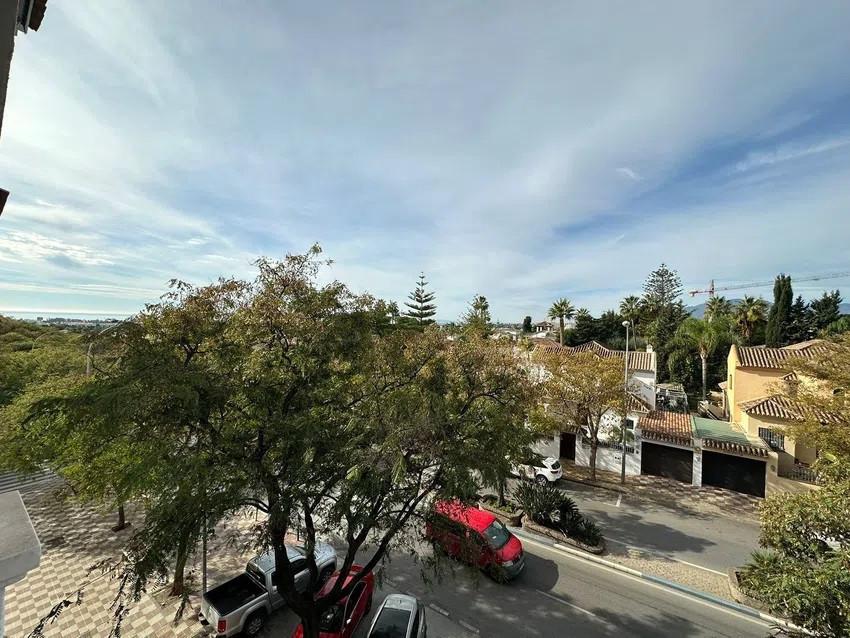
{"x": 717, "y": 307}
{"x": 560, "y": 310}
{"x": 631, "y": 309}
{"x": 748, "y": 314}
{"x": 704, "y": 336}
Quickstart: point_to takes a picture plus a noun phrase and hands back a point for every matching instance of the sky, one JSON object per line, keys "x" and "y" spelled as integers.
{"x": 523, "y": 151}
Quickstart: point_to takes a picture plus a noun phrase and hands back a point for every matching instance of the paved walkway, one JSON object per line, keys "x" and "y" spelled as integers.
{"x": 708, "y": 500}
{"x": 75, "y": 537}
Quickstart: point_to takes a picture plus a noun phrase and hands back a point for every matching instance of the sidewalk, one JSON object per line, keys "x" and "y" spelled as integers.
{"x": 704, "y": 500}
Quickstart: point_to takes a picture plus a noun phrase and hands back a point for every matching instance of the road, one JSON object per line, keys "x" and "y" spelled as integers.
{"x": 559, "y": 595}
{"x": 715, "y": 542}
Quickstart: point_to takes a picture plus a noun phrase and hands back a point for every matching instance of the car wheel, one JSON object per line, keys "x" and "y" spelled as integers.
{"x": 255, "y": 623}
{"x": 541, "y": 480}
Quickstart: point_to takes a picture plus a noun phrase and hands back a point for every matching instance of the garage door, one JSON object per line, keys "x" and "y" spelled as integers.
{"x": 733, "y": 473}
{"x": 568, "y": 446}
{"x": 669, "y": 462}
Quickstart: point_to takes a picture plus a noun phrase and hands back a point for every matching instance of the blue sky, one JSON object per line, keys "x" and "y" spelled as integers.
{"x": 520, "y": 151}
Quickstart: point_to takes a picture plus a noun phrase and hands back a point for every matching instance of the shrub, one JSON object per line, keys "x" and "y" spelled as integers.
{"x": 550, "y": 507}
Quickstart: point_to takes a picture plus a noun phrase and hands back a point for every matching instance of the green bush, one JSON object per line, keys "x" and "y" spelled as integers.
{"x": 550, "y": 507}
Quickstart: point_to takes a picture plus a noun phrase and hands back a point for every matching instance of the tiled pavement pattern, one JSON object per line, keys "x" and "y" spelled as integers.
{"x": 711, "y": 500}
{"x": 75, "y": 537}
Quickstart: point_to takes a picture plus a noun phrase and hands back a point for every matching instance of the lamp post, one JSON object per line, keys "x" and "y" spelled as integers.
{"x": 623, "y": 427}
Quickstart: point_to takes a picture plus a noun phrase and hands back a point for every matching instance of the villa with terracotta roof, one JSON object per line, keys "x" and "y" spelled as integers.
{"x": 751, "y": 402}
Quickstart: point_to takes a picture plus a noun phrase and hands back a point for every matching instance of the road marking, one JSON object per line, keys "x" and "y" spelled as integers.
{"x": 619, "y": 498}
{"x": 468, "y": 627}
{"x": 576, "y": 607}
{"x": 668, "y": 556}
{"x": 638, "y": 579}
{"x": 439, "y": 610}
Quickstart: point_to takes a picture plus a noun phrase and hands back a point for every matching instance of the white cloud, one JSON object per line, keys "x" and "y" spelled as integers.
{"x": 625, "y": 170}
{"x": 789, "y": 153}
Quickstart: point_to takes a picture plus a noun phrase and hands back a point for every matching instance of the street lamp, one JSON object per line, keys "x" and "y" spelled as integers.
{"x": 626, "y": 325}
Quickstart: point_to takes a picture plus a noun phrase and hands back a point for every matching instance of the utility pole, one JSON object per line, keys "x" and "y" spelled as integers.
{"x": 623, "y": 425}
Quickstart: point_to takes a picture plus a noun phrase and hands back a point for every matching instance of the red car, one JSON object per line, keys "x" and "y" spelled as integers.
{"x": 476, "y": 537}
{"x": 341, "y": 620}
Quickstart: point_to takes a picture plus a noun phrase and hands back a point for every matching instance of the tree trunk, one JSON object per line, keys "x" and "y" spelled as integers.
{"x": 704, "y": 359}
{"x": 561, "y": 321}
{"x": 180, "y": 566}
{"x": 122, "y": 523}
{"x": 593, "y": 446}
{"x": 502, "y": 493}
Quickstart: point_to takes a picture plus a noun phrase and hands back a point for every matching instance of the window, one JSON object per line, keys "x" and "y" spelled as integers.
{"x": 497, "y": 534}
{"x": 354, "y": 598}
{"x": 775, "y": 440}
{"x": 392, "y": 623}
{"x": 730, "y": 381}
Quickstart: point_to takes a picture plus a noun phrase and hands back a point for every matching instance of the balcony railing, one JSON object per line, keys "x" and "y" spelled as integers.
{"x": 799, "y": 472}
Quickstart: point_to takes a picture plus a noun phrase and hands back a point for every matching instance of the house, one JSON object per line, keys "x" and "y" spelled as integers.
{"x": 571, "y": 444}
{"x": 752, "y": 403}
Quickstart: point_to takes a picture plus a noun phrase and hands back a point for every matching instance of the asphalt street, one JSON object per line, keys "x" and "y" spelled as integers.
{"x": 715, "y": 542}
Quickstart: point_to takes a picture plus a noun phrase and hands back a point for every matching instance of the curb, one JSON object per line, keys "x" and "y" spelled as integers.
{"x": 742, "y": 609}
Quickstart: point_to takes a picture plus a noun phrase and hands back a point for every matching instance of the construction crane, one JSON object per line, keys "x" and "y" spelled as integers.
{"x": 762, "y": 284}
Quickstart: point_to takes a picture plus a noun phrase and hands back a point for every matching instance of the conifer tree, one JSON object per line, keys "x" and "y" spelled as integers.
{"x": 780, "y": 313}
{"x": 421, "y": 306}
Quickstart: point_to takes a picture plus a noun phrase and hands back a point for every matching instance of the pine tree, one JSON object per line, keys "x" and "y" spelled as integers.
{"x": 776, "y": 335}
{"x": 477, "y": 318}
{"x": 800, "y": 322}
{"x": 526, "y": 324}
{"x": 825, "y": 310}
{"x": 421, "y": 305}
{"x": 664, "y": 312}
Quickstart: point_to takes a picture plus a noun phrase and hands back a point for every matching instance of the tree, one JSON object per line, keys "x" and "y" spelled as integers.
{"x": 826, "y": 310}
{"x": 562, "y": 309}
{"x": 664, "y": 311}
{"x": 296, "y": 403}
{"x": 421, "y": 305}
{"x": 585, "y": 328}
{"x": 477, "y": 318}
{"x": 581, "y": 388}
{"x": 705, "y": 337}
{"x": 717, "y": 307}
{"x": 526, "y": 324}
{"x": 805, "y": 572}
{"x": 801, "y": 325}
{"x": 631, "y": 309}
{"x": 749, "y": 316}
{"x": 778, "y": 317}
{"x": 839, "y": 326}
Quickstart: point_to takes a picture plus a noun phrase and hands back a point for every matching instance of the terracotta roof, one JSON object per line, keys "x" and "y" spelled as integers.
{"x": 638, "y": 360}
{"x": 675, "y": 423}
{"x": 778, "y": 406}
{"x": 761, "y": 357}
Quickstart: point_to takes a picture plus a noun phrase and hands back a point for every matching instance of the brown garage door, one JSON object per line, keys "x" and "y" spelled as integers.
{"x": 669, "y": 462}
{"x": 733, "y": 473}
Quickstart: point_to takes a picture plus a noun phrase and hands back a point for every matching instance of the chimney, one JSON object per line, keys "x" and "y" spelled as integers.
{"x": 649, "y": 347}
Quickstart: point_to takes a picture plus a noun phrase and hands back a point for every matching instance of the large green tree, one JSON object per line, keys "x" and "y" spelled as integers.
{"x": 825, "y": 310}
{"x": 801, "y": 324}
{"x": 631, "y": 309}
{"x": 664, "y": 311}
{"x": 704, "y": 336}
{"x": 749, "y": 317}
{"x": 561, "y": 310}
{"x": 717, "y": 307}
{"x": 420, "y": 305}
{"x": 290, "y": 397}
{"x": 477, "y": 319}
{"x": 778, "y": 318}
{"x": 580, "y": 389}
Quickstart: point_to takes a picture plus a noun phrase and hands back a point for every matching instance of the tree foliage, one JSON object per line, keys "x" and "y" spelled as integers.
{"x": 663, "y": 312}
{"x": 749, "y": 317}
{"x": 292, "y": 398}
{"x": 717, "y": 307}
{"x": 776, "y": 334}
{"x": 561, "y": 310}
{"x": 580, "y": 388}
{"x": 705, "y": 337}
{"x": 421, "y": 306}
{"x": 526, "y": 324}
{"x": 825, "y": 310}
{"x": 476, "y": 320}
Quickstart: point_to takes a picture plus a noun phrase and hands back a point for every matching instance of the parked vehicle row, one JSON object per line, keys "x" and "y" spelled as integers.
{"x": 242, "y": 604}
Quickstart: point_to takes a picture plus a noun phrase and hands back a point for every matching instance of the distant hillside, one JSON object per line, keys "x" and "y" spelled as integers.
{"x": 699, "y": 310}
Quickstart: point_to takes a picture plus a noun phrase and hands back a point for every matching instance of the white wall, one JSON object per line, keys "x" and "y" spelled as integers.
{"x": 608, "y": 459}
{"x": 643, "y": 384}
{"x": 549, "y": 446}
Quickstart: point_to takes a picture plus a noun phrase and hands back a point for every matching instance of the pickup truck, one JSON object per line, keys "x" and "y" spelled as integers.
{"x": 243, "y": 604}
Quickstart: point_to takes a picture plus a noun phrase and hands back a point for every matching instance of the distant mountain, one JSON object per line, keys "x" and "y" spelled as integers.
{"x": 699, "y": 310}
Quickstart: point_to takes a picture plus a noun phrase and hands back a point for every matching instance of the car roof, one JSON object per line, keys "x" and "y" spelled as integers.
{"x": 401, "y": 601}
{"x": 472, "y": 517}
{"x": 265, "y": 561}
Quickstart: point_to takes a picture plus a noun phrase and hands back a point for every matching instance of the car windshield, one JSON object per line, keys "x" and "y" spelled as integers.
{"x": 555, "y": 465}
{"x": 392, "y": 623}
{"x": 331, "y": 619}
{"x": 497, "y": 534}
